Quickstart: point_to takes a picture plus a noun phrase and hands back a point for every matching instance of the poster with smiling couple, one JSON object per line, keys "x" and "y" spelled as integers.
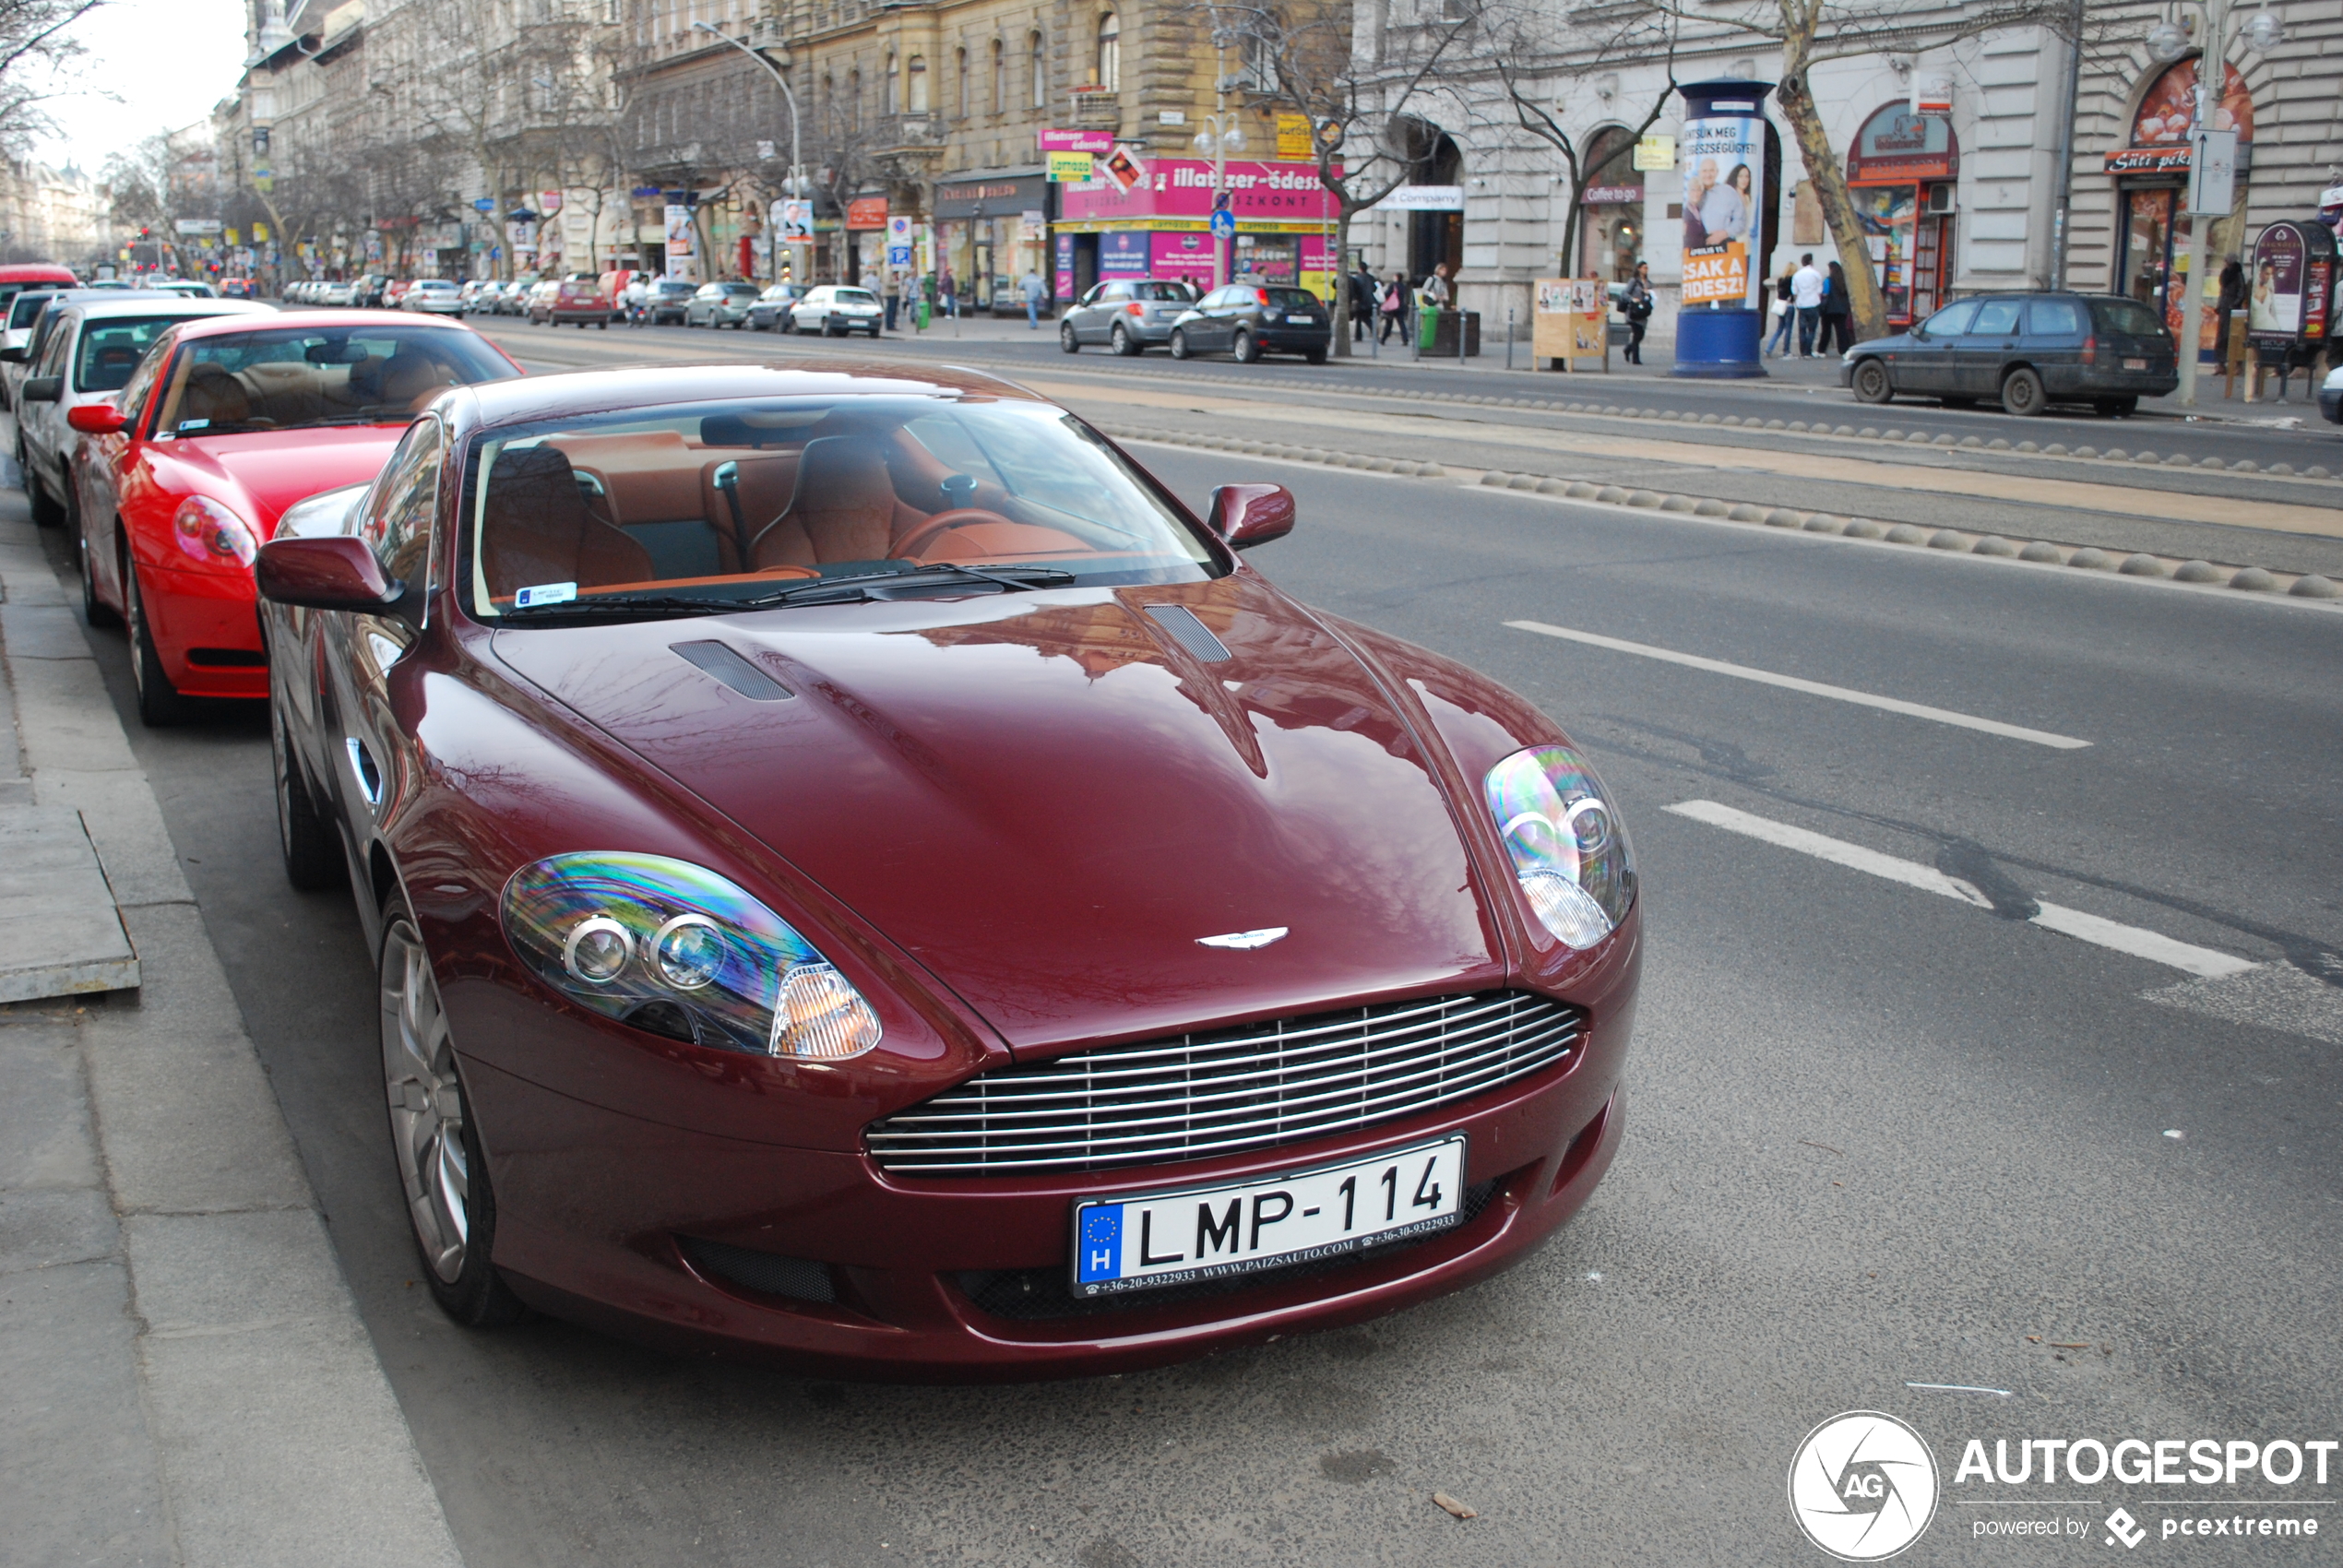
{"x": 1724, "y": 162}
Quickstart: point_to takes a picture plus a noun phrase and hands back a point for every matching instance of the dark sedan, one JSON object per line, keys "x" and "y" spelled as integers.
{"x": 2025, "y": 351}
{"x": 938, "y": 911}
{"x": 771, "y": 311}
{"x": 1253, "y": 319}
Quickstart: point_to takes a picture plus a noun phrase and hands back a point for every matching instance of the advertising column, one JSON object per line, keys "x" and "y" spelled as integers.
{"x": 1722, "y": 156}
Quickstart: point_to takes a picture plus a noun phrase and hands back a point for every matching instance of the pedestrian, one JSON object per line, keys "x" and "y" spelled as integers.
{"x": 1034, "y": 294}
{"x": 892, "y": 296}
{"x": 946, "y": 293}
{"x": 1394, "y": 300}
{"x": 1363, "y": 293}
{"x": 1638, "y": 307}
{"x": 1839, "y": 314}
{"x": 1784, "y": 320}
{"x": 636, "y": 297}
{"x": 1806, "y": 287}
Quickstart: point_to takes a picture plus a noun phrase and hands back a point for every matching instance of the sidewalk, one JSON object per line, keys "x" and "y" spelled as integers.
{"x": 184, "y": 1377}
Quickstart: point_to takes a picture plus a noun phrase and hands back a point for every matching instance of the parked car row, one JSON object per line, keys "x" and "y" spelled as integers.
{"x": 1245, "y": 319}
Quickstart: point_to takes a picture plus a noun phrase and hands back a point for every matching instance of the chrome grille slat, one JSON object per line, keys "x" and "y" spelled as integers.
{"x": 1254, "y": 1087}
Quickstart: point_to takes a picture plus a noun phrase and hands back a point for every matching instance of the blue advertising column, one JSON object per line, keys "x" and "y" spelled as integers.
{"x": 1722, "y": 155}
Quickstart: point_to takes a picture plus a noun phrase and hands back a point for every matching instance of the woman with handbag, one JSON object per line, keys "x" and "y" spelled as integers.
{"x": 1638, "y": 302}
{"x": 1783, "y": 315}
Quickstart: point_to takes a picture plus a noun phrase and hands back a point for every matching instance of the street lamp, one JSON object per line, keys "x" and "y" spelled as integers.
{"x": 2169, "y": 40}
{"x": 796, "y": 151}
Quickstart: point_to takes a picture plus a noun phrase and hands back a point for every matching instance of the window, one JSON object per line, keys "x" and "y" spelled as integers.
{"x": 915, "y": 87}
{"x": 1000, "y": 78}
{"x": 961, "y": 104}
{"x": 1995, "y": 318}
{"x": 2055, "y": 319}
{"x": 854, "y": 97}
{"x": 1040, "y": 75}
{"x": 1950, "y": 322}
{"x": 889, "y": 94}
{"x": 112, "y": 350}
{"x": 399, "y": 513}
{"x": 142, "y": 382}
{"x": 1110, "y": 52}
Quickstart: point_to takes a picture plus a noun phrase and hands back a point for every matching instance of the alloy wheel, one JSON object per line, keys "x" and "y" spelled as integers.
{"x": 1066, "y": 340}
{"x": 426, "y": 1104}
{"x": 1871, "y": 385}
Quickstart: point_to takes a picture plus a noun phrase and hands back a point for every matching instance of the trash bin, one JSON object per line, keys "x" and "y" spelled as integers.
{"x": 1451, "y": 333}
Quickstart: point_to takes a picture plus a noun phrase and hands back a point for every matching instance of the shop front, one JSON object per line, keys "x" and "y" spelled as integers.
{"x": 1160, "y": 226}
{"x": 1902, "y": 173}
{"x": 991, "y": 229}
{"x": 2153, "y": 227}
{"x": 1611, "y": 208}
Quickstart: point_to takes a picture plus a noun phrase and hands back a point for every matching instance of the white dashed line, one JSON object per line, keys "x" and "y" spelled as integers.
{"x": 1812, "y": 688}
{"x": 2155, "y": 947}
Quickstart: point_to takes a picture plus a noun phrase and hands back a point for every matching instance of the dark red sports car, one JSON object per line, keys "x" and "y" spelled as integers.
{"x": 226, "y": 421}
{"x": 864, "y": 877}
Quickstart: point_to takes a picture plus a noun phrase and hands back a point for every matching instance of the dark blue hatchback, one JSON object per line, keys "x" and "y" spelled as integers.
{"x": 2025, "y": 351}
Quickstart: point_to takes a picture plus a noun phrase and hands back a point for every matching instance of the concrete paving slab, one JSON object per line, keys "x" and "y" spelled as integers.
{"x": 119, "y": 809}
{"x": 44, "y": 1110}
{"x": 50, "y": 1229}
{"x": 41, "y": 631}
{"x": 79, "y": 1484}
{"x": 60, "y": 934}
{"x": 64, "y": 715}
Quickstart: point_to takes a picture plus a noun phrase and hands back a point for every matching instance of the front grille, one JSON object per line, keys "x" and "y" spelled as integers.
{"x": 1253, "y": 1086}
{"x": 1039, "y": 1294}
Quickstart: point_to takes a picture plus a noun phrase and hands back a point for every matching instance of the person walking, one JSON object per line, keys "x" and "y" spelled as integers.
{"x": 945, "y": 292}
{"x": 1034, "y": 294}
{"x": 893, "y": 294}
{"x": 1839, "y": 314}
{"x": 1637, "y": 303}
{"x": 1363, "y": 293}
{"x": 1785, "y": 317}
{"x": 1806, "y": 287}
{"x": 635, "y": 297}
{"x": 1394, "y": 300}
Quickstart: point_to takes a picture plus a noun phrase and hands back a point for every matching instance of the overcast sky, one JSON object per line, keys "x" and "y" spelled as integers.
{"x": 168, "y": 61}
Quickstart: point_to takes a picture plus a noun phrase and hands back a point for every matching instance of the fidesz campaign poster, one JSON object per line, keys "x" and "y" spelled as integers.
{"x": 1723, "y": 158}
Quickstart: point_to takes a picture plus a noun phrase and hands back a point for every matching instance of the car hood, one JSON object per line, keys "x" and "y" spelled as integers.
{"x": 1049, "y": 799}
{"x": 264, "y": 472}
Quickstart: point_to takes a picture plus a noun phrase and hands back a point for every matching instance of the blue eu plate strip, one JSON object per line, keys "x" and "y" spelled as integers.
{"x": 1102, "y": 1243}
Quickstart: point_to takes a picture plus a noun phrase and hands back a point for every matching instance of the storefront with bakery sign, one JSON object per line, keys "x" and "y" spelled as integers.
{"x": 2153, "y": 227}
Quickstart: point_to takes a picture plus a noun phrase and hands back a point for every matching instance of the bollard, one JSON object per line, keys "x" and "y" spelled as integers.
{"x": 1509, "y": 337}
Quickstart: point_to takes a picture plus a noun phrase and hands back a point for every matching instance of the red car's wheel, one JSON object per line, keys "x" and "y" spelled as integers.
{"x": 159, "y": 704}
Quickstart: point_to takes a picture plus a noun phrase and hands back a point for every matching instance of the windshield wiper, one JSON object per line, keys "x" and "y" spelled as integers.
{"x": 1011, "y": 579}
{"x": 626, "y": 604}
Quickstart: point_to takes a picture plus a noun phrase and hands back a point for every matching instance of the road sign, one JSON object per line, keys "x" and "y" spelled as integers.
{"x": 1224, "y": 224}
{"x": 898, "y": 256}
{"x": 485, "y": 203}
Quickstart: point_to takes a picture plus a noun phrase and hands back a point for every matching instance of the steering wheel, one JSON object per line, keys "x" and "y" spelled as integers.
{"x": 943, "y": 523}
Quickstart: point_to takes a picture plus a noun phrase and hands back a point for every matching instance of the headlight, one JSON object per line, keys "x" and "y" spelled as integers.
{"x": 1569, "y": 848}
{"x": 212, "y": 534}
{"x": 677, "y": 950}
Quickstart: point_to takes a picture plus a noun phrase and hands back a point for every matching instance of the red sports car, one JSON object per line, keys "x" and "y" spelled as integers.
{"x": 226, "y": 422}
{"x": 864, "y": 877}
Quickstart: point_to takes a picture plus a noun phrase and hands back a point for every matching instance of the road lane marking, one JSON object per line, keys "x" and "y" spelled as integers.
{"x": 1812, "y": 688}
{"x": 2204, "y": 962}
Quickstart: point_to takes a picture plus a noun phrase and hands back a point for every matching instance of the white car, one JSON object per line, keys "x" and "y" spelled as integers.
{"x": 86, "y": 356}
{"x": 836, "y": 309}
{"x": 434, "y": 296}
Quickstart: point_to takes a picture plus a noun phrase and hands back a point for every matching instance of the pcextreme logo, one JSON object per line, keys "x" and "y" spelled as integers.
{"x": 1862, "y": 1486}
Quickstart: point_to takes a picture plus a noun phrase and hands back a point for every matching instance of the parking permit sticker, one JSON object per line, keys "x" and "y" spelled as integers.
{"x": 544, "y": 593}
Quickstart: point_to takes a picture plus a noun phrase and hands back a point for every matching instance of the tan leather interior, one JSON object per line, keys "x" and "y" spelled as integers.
{"x": 544, "y": 532}
{"x": 844, "y": 507}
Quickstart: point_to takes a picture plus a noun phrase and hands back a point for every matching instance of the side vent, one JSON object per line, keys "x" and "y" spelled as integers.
{"x": 718, "y": 661}
{"x": 767, "y": 1274}
{"x": 1190, "y": 633}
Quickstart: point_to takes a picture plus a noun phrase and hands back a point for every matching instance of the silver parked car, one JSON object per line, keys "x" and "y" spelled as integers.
{"x": 1125, "y": 313}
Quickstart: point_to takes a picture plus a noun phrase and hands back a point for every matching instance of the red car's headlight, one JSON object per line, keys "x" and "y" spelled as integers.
{"x": 1569, "y": 848}
{"x": 674, "y": 948}
{"x": 210, "y": 533}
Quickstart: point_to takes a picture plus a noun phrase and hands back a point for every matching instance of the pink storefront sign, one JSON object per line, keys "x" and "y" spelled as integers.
{"x": 1094, "y": 142}
{"x": 1182, "y": 187}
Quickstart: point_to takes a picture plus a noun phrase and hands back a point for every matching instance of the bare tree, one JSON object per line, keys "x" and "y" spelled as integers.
{"x": 1810, "y": 32}
{"x": 1300, "y": 57}
{"x": 39, "y": 58}
{"x": 1527, "y": 64}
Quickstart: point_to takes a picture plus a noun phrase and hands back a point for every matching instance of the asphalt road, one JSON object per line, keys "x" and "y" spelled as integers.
{"x": 1877, "y": 1136}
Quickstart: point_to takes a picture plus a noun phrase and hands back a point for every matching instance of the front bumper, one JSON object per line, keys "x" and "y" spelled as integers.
{"x": 606, "y": 1218}
{"x": 205, "y": 632}
{"x": 2331, "y": 404}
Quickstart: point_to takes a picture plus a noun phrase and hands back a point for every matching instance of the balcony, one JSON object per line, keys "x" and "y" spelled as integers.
{"x": 1097, "y": 107}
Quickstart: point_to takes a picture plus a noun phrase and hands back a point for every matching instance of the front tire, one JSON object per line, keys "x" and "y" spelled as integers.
{"x": 1870, "y": 382}
{"x": 159, "y": 704}
{"x": 312, "y": 851}
{"x": 1179, "y": 344}
{"x": 2022, "y": 393}
{"x": 451, "y": 1209}
{"x": 1316, "y": 356}
{"x": 1248, "y": 349}
{"x": 47, "y": 511}
{"x": 94, "y": 610}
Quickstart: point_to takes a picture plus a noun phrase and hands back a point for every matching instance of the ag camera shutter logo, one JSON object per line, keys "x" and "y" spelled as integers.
{"x": 1863, "y": 1485}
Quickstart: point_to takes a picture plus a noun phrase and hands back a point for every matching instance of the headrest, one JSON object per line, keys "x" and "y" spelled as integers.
{"x": 839, "y": 472}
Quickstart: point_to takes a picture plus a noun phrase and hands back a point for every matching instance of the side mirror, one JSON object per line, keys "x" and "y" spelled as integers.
{"x": 1247, "y": 514}
{"x": 42, "y": 389}
{"x": 323, "y": 573}
{"x": 13, "y": 353}
{"x": 95, "y": 419}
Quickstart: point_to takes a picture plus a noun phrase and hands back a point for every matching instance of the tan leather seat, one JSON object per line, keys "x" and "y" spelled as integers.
{"x": 213, "y": 393}
{"x": 843, "y": 507}
{"x": 765, "y": 484}
{"x": 538, "y": 530}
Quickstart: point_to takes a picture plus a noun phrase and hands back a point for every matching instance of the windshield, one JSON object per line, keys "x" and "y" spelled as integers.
{"x": 716, "y": 506}
{"x": 111, "y": 350}
{"x": 27, "y": 308}
{"x": 286, "y": 378}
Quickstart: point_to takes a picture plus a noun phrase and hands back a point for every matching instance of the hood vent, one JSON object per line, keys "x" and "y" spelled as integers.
{"x": 720, "y": 661}
{"x": 1190, "y": 633}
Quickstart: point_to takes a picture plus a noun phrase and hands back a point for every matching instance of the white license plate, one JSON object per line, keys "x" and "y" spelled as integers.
{"x": 2134, "y": 364}
{"x": 1143, "y": 1244}
{"x": 1298, "y": 321}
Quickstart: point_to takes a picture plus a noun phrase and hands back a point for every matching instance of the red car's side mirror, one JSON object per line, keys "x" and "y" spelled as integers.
{"x": 323, "y": 573}
{"x": 94, "y": 419}
{"x": 1247, "y": 515}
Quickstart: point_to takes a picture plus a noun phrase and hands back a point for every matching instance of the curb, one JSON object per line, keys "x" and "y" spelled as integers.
{"x": 2245, "y": 579}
